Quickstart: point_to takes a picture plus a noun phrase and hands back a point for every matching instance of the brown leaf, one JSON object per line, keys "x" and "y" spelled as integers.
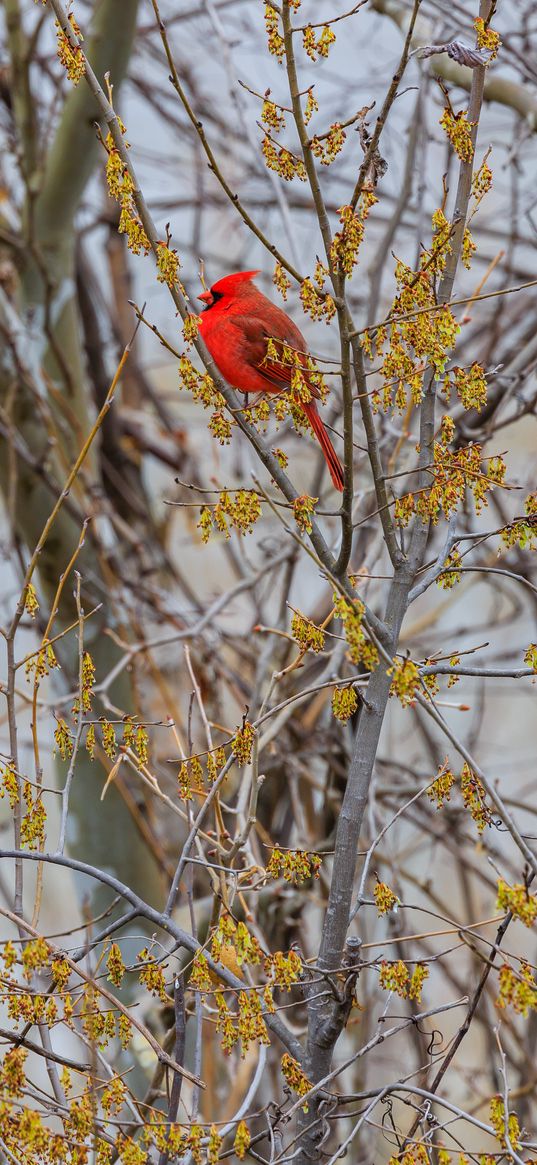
{"x": 463, "y": 54}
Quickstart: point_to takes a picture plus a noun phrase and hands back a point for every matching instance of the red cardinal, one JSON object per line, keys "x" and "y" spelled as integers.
{"x": 236, "y": 325}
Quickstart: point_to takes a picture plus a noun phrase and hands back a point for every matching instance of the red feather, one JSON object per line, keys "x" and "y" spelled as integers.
{"x": 236, "y": 325}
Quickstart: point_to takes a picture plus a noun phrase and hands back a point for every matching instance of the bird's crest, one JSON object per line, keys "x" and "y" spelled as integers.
{"x": 232, "y": 282}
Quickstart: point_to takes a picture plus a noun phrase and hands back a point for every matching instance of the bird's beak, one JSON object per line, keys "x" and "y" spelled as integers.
{"x": 205, "y": 297}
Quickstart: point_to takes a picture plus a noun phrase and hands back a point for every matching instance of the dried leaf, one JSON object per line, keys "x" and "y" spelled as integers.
{"x": 463, "y": 54}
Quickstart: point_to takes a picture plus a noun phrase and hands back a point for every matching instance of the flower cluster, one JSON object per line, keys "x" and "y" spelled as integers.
{"x": 447, "y": 424}
{"x": 487, "y": 38}
{"x": 420, "y": 333}
{"x": 241, "y": 512}
{"x": 215, "y": 762}
{"x": 282, "y": 161}
{"x": 300, "y": 385}
{"x": 22, "y": 1126}
{"x": 459, "y": 131}
{"x": 315, "y": 304}
{"x": 517, "y": 990}
{"x": 31, "y": 605}
{"x": 294, "y": 866}
{"x": 307, "y": 634}
{"x": 523, "y": 532}
{"x": 91, "y": 740}
{"x": 242, "y": 1140}
{"x": 473, "y": 795}
{"x": 200, "y": 385}
{"x": 71, "y": 58}
{"x": 468, "y": 250}
{"x": 434, "y": 260}
{"x": 109, "y": 742}
{"x": 115, "y": 965}
{"x": 497, "y": 1120}
{"x": 12, "y": 1076}
{"x": 317, "y": 46}
{"x": 297, "y": 1080}
{"x": 311, "y": 106}
{"x": 243, "y": 743}
{"x": 396, "y": 977}
{"x": 430, "y": 683}
{"x": 200, "y": 979}
{"x": 281, "y": 457}
{"x": 228, "y": 933}
{"x": 31, "y": 1007}
{"x": 220, "y": 427}
{"x": 303, "y": 509}
{"x": 259, "y": 412}
{"x": 152, "y": 975}
{"x": 276, "y": 44}
{"x": 320, "y": 274}
{"x": 417, "y": 1155}
{"x": 121, "y": 188}
{"x": 346, "y": 242}
{"x": 191, "y": 327}
{"x": 189, "y": 778}
{"x": 283, "y": 970}
{"x": 203, "y": 390}
{"x": 167, "y": 1137}
{"x": 272, "y": 116}
{"x": 471, "y": 386}
{"x": 327, "y": 148}
{"x": 385, "y": 899}
{"x": 440, "y": 790}
{"x": 168, "y": 265}
{"x": 42, "y": 662}
{"x": 344, "y": 703}
{"x": 136, "y": 739}
{"x": 113, "y": 1096}
{"x": 451, "y": 573}
{"x": 34, "y": 819}
{"x": 404, "y": 509}
{"x": 361, "y": 650}
{"x": 34, "y": 957}
{"x": 118, "y": 179}
{"x": 453, "y": 679}
{"x": 454, "y": 472}
{"x": 481, "y": 181}
{"x": 518, "y": 900}
{"x": 246, "y": 1025}
{"x": 405, "y": 681}
{"x": 530, "y": 656}
{"x": 281, "y": 281}
{"x": 201, "y": 1144}
{"x": 9, "y": 784}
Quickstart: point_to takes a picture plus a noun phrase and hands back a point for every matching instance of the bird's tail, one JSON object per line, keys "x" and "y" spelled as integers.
{"x": 332, "y": 460}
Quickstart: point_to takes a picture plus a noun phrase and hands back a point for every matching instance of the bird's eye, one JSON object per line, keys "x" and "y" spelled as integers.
{"x": 210, "y": 298}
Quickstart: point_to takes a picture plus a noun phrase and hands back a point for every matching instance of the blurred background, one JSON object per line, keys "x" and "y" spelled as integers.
{"x": 68, "y": 284}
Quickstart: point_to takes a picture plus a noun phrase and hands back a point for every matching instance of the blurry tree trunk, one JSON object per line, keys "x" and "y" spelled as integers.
{"x": 47, "y": 362}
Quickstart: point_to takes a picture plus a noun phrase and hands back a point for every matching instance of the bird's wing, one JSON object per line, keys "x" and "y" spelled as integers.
{"x": 257, "y": 336}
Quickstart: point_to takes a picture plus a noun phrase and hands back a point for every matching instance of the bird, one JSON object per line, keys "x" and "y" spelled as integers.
{"x": 237, "y": 324}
